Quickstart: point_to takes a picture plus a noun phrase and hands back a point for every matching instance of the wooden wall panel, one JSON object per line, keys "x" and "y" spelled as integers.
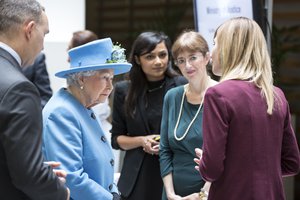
{"x": 286, "y": 13}
{"x": 124, "y": 20}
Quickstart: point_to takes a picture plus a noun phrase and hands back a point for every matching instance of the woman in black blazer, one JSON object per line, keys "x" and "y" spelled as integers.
{"x": 137, "y": 108}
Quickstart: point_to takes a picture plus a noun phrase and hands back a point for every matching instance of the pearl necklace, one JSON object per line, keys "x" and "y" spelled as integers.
{"x": 179, "y": 116}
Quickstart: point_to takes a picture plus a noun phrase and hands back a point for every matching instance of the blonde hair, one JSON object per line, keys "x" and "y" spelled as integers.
{"x": 189, "y": 41}
{"x": 243, "y": 55}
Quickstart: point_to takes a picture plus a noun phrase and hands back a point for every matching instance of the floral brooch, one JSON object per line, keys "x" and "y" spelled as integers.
{"x": 117, "y": 54}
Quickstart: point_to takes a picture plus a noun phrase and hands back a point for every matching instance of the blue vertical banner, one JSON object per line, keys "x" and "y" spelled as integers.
{"x": 211, "y": 14}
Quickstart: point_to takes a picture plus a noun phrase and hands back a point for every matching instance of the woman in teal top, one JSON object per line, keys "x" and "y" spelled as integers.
{"x": 181, "y": 126}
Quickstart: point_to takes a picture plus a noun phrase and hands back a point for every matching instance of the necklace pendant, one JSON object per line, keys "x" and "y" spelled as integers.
{"x": 157, "y": 88}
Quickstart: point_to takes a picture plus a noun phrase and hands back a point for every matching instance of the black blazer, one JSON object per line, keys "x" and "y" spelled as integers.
{"x": 22, "y": 172}
{"x": 123, "y": 125}
{"x": 38, "y": 75}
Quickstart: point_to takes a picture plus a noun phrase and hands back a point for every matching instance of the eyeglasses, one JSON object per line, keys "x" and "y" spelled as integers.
{"x": 181, "y": 62}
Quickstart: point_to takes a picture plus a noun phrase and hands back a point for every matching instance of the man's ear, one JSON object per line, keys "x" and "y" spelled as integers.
{"x": 137, "y": 60}
{"x": 29, "y": 27}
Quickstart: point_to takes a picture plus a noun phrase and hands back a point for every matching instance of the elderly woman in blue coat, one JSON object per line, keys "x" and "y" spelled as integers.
{"x": 72, "y": 133}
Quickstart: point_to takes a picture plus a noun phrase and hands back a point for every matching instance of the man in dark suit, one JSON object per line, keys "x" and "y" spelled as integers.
{"x": 38, "y": 75}
{"x": 23, "y": 175}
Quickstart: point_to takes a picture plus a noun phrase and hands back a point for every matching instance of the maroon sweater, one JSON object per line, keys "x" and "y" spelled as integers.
{"x": 246, "y": 151}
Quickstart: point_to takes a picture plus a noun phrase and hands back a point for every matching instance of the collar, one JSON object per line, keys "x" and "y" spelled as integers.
{"x": 11, "y": 51}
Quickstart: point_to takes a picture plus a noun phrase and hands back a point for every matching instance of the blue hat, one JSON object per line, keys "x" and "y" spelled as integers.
{"x": 96, "y": 55}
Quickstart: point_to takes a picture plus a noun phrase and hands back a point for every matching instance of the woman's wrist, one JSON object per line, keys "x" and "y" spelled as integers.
{"x": 143, "y": 141}
{"x": 171, "y": 195}
{"x": 116, "y": 196}
{"x": 203, "y": 194}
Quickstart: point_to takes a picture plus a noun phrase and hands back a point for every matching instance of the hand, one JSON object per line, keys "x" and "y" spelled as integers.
{"x": 194, "y": 196}
{"x": 61, "y": 174}
{"x": 150, "y": 145}
{"x": 68, "y": 196}
{"x": 116, "y": 196}
{"x": 174, "y": 197}
{"x": 53, "y": 164}
{"x": 199, "y": 156}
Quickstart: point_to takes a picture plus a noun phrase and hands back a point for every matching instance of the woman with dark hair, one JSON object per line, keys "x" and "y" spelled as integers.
{"x": 136, "y": 119}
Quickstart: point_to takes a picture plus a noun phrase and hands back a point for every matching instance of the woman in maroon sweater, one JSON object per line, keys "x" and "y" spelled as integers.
{"x": 248, "y": 140}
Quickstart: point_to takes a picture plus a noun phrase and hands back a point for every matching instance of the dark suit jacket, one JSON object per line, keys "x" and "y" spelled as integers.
{"x": 135, "y": 127}
{"x": 38, "y": 75}
{"x": 22, "y": 172}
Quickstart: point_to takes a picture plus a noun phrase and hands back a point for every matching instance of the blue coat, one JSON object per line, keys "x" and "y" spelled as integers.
{"x": 73, "y": 136}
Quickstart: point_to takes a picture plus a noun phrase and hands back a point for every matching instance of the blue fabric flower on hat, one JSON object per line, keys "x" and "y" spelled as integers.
{"x": 117, "y": 55}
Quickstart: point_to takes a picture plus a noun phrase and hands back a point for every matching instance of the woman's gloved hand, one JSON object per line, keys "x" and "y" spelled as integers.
{"x": 116, "y": 196}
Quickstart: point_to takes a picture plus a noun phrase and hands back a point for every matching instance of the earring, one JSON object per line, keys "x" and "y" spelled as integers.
{"x": 81, "y": 87}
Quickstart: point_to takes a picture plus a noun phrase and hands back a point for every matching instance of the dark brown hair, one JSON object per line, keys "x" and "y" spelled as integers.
{"x": 82, "y": 37}
{"x": 143, "y": 44}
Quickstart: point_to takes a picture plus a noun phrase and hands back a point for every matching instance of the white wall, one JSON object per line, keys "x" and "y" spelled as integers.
{"x": 65, "y": 17}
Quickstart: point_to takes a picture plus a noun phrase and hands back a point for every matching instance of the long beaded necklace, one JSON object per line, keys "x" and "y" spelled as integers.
{"x": 179, "y": 116}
